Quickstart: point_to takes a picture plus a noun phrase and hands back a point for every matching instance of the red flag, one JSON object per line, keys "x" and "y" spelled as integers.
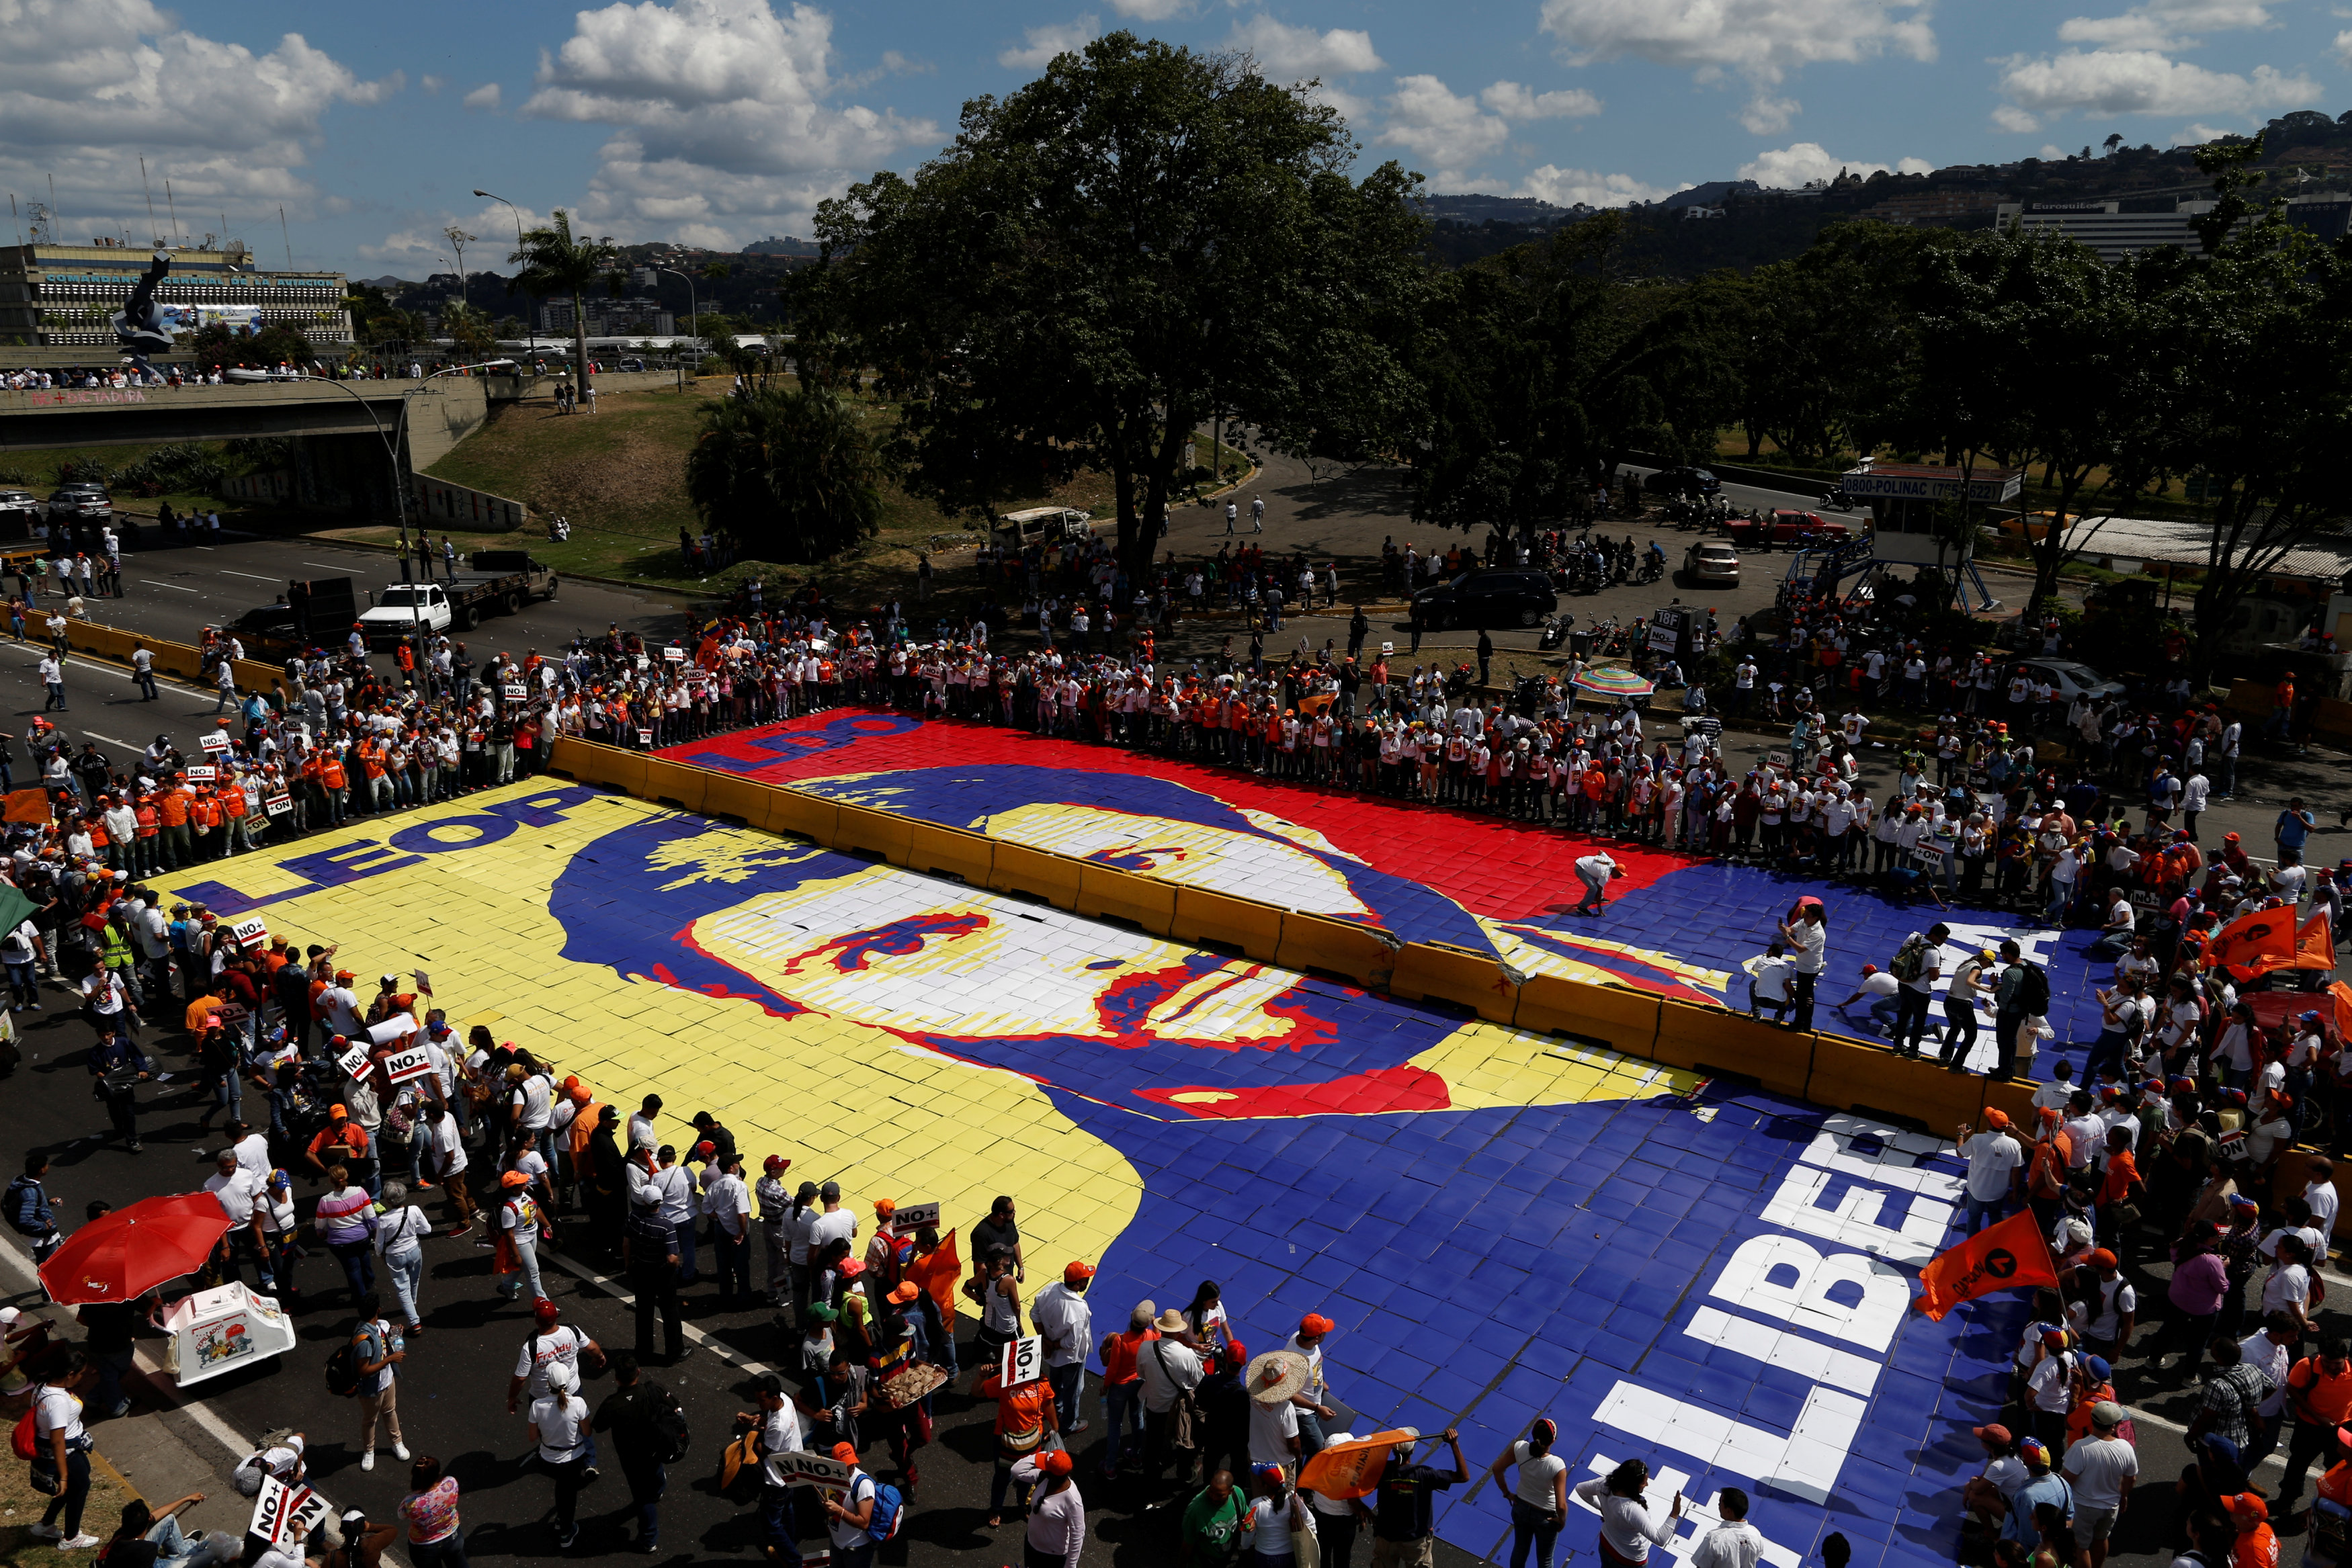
{"x": 937, "y": 1272}
{"x": 2010, "y": 1256}
{"x": 2251, "y": 944}
{"x": 28, "y": 805}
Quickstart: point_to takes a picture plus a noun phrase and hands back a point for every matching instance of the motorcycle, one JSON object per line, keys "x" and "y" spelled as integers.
{"x": 1554, "y": 632}
{"x": 1837, "y": 499}
{"x": 1654, "y": 567}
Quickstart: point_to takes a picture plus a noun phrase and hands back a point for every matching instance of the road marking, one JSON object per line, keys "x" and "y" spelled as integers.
{"x": 158, "y": 582}
{"x": 256, "y": 576}
{"x": 329, "y": 566}
{"x": 110, "y": 739}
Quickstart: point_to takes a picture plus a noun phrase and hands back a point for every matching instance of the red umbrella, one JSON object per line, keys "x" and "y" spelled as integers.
{"x": 121, "y": 1256}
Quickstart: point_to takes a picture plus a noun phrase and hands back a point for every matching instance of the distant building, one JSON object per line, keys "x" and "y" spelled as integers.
{"x": 2106, "y": 227}
{"x": 66, "y": 296}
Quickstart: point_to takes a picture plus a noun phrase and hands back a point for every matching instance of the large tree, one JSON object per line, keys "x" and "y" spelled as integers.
{"x": 1141, "y": 238}
{"x": 790, "y": 475}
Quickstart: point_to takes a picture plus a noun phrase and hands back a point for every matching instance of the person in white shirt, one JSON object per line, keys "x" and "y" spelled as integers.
{"x": 1056, "y": 1531}
{"x": 1994, "y": 1160}
{"x": 849, "y": 1515}
{"x": 2322, "y": 1198}
{"x": 1627, "y": 1531}
{"x": 1065, "y": 1322}
{"x": 727, "y": 1201}
{"x": 2101, "y": 1469}
{"x": 558, "y": 1425}
{"x": 1734, "y": 1543}
{"x": 1806, "y": 934}
{"x": 1539, "y": 1493}
{"x": 1767, "y": 983}
{"x": 1596, "y": 871}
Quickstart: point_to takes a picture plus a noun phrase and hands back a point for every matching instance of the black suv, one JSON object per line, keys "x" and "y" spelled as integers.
{"x": 1488, "y": 596}
{"x": 1687, "y": 482}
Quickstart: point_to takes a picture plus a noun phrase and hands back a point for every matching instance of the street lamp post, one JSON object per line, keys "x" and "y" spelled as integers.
{"x": 693, "y": 312}
{"x": 517, "y": 218}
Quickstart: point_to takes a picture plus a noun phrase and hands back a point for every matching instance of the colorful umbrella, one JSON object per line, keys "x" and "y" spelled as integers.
{"x": 121, "y": 1256}
{"x": 1613, "y": 681}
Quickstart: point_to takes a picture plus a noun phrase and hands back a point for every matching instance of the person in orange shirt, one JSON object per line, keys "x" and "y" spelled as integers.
{"x": 2120, "y": 1185}
{"x": 203, "y": 818}
{"x": 336, "y": 787}
{"x": 171, "y": 809}
{"x": 379, "y": 783}
{"x": 2257, "y": 1544}
{"x": 1122, "y": 1384}
{"x": 1025, "y": 1414}
{"x": 230, "y": 799}
{"x": 143, "y": 857}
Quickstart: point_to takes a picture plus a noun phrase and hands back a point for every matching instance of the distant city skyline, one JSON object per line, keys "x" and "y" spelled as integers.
{"x": 723, "y": 122}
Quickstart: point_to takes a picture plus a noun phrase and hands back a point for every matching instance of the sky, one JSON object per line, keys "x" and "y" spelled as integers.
{"x": 717, "y": 122}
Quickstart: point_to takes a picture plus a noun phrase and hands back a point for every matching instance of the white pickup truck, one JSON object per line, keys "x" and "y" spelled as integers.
{"x": 498, "y": 583}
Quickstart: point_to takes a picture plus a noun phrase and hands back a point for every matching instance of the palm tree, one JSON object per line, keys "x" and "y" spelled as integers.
{"x": 553, "y": 262}
{"x": 792, "y": 475}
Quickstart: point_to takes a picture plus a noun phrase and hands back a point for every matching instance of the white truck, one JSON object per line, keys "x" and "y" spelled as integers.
{"x": 497, "y": 583}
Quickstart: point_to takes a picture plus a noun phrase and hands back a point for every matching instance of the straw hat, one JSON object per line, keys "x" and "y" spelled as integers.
{"x": 1276, "y": 1375}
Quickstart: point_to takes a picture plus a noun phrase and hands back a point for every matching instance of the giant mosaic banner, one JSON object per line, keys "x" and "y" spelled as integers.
{"x": 1502, "y": 1225}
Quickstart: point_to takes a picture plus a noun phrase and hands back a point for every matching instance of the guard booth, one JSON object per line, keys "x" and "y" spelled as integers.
{"x": 1903, "y": 499}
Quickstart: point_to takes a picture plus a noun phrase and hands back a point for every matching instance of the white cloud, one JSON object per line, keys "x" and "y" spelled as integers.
{"x": 1793, "y": 167}
{"x": 420, "y": 241}
{"x": 2144, "y": 81}
{"x": 1762, "y": 37}
{"x": 1045, "y": 43}
{"x": 1514, "y": 101}
{"x": 2009, "y": 117}
{"x": 1151, "y": 10}
{"x": 1295, "y": 53}
{"x": 1442, "y": 128}
{"x": 723, "y": 123}
{"x": 1765, "y": 115}
{"x": 2164, "y": 24}
{"x": 87, "y": 86}
{"x": 486, "y": 96}
{"x": 2051, "y": 152}
{"x": 1569, "y": 187}
{"x": 431, "y": 84}
{"x": 2344, "y": 47}
{"x": 2190, "y": 136}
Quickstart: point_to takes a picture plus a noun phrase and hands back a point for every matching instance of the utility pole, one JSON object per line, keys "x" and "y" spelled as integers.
{"x": 286, "y": 235}
{"x": 171, "y": 207}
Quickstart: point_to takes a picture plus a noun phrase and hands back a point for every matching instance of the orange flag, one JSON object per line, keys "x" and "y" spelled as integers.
{"x": 2254, "y": 943}
{"x": 28, "y": 806}
{"x": 1352, "y": 1469}
{"x": 937, "y": 1271}
{"x": 2342, "y": 995}
{"x": 2315, "y": 945}
{"x": 2010, "y": 1256}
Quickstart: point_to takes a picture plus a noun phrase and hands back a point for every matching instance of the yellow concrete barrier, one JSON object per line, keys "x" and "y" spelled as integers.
{"x": 1474, "y": 980}
{"x": 677, "y": 784}
{"x": 1220, "y": 920}
{"x": 863, "y": 830}
{"x": 1017, "y": 868}
{"x": 1364, "y": 955}
{"x": 1106, "y": 893}
{"x": 950, "y": 852}
{"x": 811, "y": 816}
{"x": 2013, "y": 1099}
{"x": 1855, "y": 1075}
{"x": 1704, "y": 1039}
{"x": 1626, "y": 1019}
{"x": 725, "y": 795}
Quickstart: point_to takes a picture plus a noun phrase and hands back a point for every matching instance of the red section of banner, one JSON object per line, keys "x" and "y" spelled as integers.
{"x": 1491, "y": 866}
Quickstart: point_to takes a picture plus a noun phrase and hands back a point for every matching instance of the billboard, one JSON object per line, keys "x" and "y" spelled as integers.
{"x": 242, "y": 320}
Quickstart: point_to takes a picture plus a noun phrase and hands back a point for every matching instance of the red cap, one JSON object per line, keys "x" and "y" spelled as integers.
{"x": 544, "y": 1311}
{"x": 1074, "y": 1272}
{"x": 1316, "y": 1323}
{"x": 1055, "y": 1462}
{"x": 704, "y": 1150}
{"x": 846, "y": 1453}
{"x": 775, "y": 1164}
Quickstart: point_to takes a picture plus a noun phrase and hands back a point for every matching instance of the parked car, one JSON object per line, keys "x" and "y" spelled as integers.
{"x": 1488, "y": 596}
{"x": 1785, "y": 528}
{"x": 633, "y": 364}
{"x": 19, "y": 510}
{"x": 82, "y": 498}
{"x": 1042, "y": 526}
{"x": 2071, "y": 679}
{"x": 1684, "y": 481}
{"x": 1710, "y": 563}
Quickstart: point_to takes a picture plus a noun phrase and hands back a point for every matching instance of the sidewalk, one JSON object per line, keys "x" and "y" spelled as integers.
{"x": 166, "y": 1448}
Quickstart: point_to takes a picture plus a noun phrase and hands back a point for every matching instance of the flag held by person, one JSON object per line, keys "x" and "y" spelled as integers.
{"x": 2254, "y": 943}
{"x": 2010, "y": 1256}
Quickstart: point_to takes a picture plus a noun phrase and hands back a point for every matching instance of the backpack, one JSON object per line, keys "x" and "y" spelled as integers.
{"x": 889, "y": 1511}
{"x": 2033, "y": 989}
{"x": 27, "y": 1438}
{"x": 1909, "y": 959}
{"x": 672, "y": 1439}
{"x": 344, "y": 1371}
